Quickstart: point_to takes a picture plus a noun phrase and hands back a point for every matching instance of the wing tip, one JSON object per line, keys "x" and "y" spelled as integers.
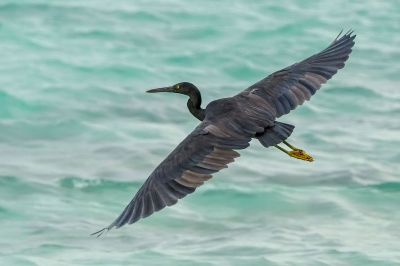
{"x": 348, "y": 35}
{"x": 97, "y": 234}
{"x": 342, "y": 43}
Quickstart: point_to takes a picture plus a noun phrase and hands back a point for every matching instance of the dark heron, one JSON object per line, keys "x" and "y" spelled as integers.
{"x": 229, "y": 124}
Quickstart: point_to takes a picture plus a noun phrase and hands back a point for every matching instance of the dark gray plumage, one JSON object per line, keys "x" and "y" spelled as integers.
{"x": 229, "y": 124}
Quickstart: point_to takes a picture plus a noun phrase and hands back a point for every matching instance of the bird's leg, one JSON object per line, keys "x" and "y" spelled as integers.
{"x": 296, "y": 153}
{"x": 289, "y": 145}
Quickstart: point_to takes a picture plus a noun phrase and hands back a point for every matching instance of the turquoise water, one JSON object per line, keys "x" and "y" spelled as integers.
{"x": 78, "y": 135}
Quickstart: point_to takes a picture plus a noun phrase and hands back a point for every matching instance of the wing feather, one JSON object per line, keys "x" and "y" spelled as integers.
{"x": 204, "y": 152}
{"x": 292, "y": 86}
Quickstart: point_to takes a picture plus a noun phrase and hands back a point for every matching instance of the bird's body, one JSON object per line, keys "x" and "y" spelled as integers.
{"x": 229, "y": 124}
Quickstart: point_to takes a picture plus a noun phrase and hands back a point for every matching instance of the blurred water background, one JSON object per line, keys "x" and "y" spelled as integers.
{"x": 79, "y": 135}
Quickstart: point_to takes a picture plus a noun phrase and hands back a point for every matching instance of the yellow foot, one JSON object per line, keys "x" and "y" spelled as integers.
{"x": 300, "y": 154}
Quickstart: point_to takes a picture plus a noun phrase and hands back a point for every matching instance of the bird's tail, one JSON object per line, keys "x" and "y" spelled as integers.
{"x": 276, "y": 134}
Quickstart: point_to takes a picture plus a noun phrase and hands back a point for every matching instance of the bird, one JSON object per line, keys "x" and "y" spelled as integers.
{"x": 229, "y": 124}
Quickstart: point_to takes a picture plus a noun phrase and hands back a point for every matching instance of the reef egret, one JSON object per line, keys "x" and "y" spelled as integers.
{"x": 229, "y": 124}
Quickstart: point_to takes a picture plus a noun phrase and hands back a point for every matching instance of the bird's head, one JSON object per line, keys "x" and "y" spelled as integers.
{"x": 183, "y": 88}
{"x": 190, "y": 90}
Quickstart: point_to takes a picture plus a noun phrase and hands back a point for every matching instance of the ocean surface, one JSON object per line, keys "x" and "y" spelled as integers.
{"x": 79, "y": 135}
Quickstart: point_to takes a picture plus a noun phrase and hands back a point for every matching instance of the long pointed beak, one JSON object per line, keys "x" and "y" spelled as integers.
{"x": 164, "y": 89}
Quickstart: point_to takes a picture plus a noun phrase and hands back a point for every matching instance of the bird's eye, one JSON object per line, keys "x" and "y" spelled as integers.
{"x": 178, "y": 87}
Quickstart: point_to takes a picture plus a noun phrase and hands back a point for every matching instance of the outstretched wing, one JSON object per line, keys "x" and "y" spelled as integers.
{"x": 284, "y": 90}
{"x": 187, "y": 167}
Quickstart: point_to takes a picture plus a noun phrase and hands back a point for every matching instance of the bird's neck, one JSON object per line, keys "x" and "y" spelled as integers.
{"x": 194, "y": 104}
